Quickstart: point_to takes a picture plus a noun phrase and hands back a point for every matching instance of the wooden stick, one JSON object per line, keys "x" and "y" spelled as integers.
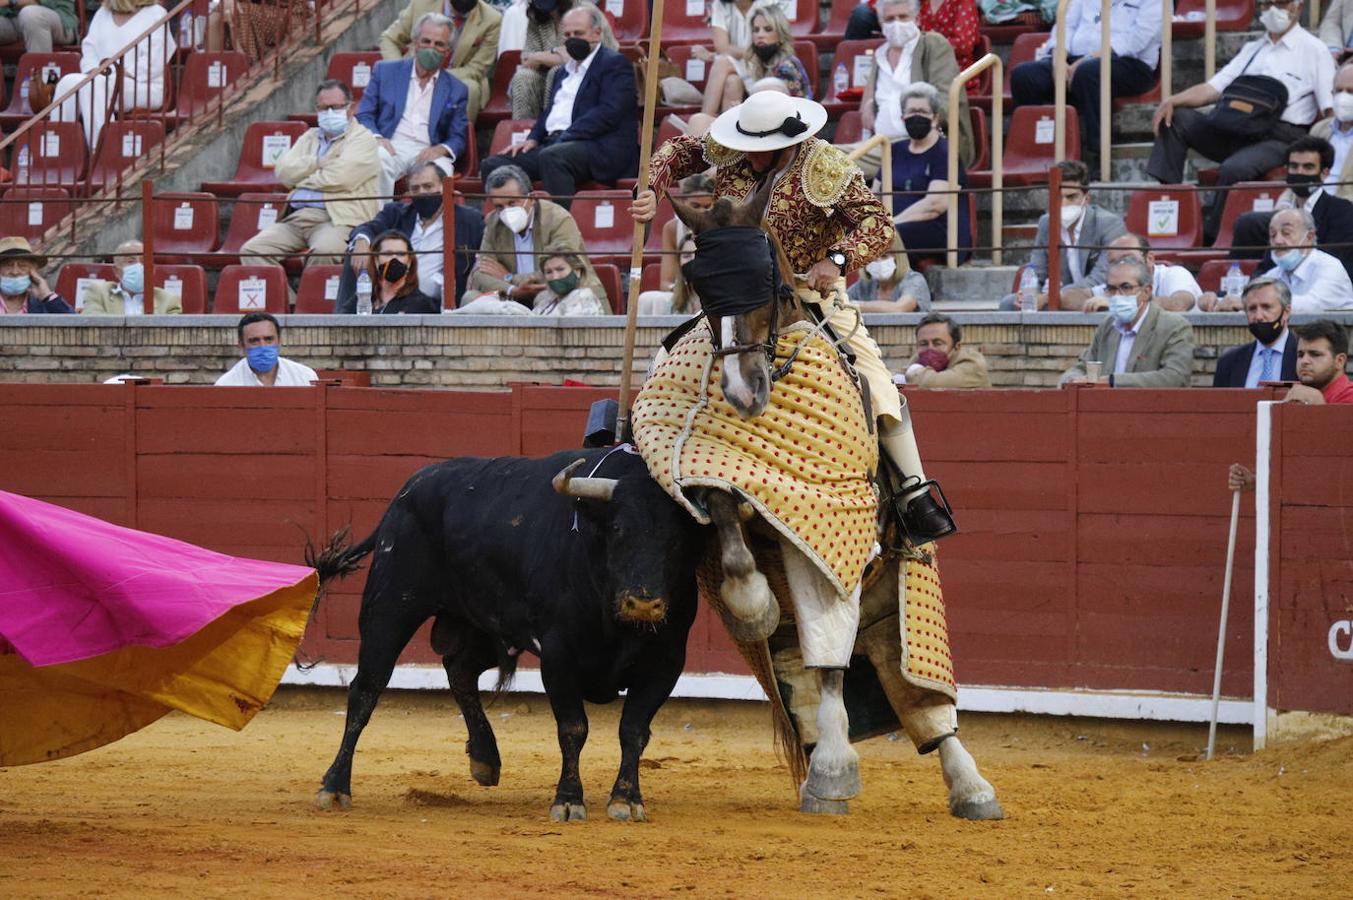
{"x": 622, "y": 423}
{"x": 1221, "y": 629}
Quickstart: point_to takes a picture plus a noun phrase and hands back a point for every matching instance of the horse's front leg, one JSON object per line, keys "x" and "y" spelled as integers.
{"x": 753, "y": 612}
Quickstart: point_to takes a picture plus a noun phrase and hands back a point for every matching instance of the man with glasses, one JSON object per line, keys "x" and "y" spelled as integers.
{"x": 1138, "y": 344}
{"x": 416, "y": 108}
{"x": 1288, "y": 53}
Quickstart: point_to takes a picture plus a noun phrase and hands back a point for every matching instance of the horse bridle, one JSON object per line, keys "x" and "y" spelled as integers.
{"x": 767, "y": 346}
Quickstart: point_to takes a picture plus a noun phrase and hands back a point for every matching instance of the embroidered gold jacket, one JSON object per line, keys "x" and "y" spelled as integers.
{"x": 820, "y": 204}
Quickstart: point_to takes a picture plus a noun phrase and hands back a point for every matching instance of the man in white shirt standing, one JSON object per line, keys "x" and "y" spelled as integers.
{"x": 1317, "y": 280}
{"x": 260, "y": 340}
{"x": 1134, "y": 44}
{"x": 1288, "y": 53}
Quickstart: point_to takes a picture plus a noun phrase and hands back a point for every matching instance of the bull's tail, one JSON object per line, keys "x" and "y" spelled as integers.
{"x": 337, "y": 559}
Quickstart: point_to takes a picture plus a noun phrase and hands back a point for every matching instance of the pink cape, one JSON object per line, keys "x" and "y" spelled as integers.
{"x": 108, "y": 628}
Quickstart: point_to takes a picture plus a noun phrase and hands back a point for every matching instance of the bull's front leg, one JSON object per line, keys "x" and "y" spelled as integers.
{"x": 570, "y": 720}
{"x": 652, "y": 684}
{"x": 753, "y": 612}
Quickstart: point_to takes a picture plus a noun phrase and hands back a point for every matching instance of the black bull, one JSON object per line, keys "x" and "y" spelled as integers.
{"x": 602, "y": 588}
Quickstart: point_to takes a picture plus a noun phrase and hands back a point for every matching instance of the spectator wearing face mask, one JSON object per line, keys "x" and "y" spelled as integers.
{"x": 1272, "y": 355}
{"x": 23, "y": 290}
{"x": 1138, "y": 344}
{"x": 941, "y": 360}
{"x": 126, "y": 296}
{"x": 393, "y": 267}
{"x": 890, "y": 285}
{"x": 261, "y": 365}
{"x": 572, "y": 286}
{"x": 1338, "y": 130}
{"x": 1318, "y": 281}
{"x": 922, "y": 182}
{"x": 475, "y": 29}
{"x": 543, "y": 52}
{"x": 1174, "y": 287}
{"x": 1309, "y": 160}
{"x": 769, "y": 55}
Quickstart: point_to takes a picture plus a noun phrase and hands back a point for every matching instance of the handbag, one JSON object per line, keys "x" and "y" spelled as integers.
{"x": 1250, "y": 106}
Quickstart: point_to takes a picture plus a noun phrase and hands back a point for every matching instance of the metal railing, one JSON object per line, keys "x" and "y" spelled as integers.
{"x": 956, "y": 88}
{"x": 886, "y": 170}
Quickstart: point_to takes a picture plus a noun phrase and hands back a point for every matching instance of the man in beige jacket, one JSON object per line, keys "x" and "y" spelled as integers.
{"x": 474, "y": 45}
{"x": 126, "y": 295}
{"x": 334, "y": 172}
{"x": 941, "y": 360}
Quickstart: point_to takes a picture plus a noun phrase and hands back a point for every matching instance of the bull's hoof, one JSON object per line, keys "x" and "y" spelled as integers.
{"x": 817, "y": 806}
{"x": 331, "y": 800}
{"x": 622, "y": 810}
{"x": 484, "y": 773}
{"x": 977, "y": 809}
{"x": 833, "y": 783}
{"x": 568, "y": 812}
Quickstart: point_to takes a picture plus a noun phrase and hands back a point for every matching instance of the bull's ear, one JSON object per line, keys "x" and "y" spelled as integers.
{"x": 696, "y": 220}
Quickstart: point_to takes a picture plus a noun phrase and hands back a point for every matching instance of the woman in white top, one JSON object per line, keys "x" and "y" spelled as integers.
{"x": 114, "y": 28}
{"x": 730, "y": 25}
{"x": 571, "y": 292}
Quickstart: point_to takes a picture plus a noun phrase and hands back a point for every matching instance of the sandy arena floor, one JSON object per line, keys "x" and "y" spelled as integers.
{"x": 1094, "y": 809}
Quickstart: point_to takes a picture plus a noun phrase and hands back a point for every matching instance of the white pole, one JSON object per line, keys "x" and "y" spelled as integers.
{"x": 1263, "y": 451}
{"x": 1221, "y": 629}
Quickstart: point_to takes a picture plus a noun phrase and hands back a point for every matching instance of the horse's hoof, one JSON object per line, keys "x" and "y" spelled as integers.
{"x": 484, "y": 773}
{"x": 977, "y": 809}
{"x": 838, "y": 785}
{"x": 817, "y": 806}
{"x": 568, "y": 812}
{"x": 330, "y": 800}
{"x": 622, "y": 810}
{"x": 756, "y": 629}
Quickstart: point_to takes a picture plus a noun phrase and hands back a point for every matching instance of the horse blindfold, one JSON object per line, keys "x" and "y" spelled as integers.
{"x": 734, "y": 270}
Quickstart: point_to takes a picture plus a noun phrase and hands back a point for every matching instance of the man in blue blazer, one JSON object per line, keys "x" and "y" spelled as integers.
{"x": 415, "y": 107}
{"x": 1272, "y": 355}
{"x": 419, "y": 219}
{"x": 587, "y": 131}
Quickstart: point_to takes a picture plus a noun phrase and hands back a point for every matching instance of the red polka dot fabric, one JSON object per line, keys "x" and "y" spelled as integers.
{"x": 925, "y": 630}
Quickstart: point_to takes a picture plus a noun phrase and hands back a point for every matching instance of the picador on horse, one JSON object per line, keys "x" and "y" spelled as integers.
{"x": 769, "y": 416}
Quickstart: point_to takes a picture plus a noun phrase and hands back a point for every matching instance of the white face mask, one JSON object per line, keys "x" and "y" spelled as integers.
{"x": 1071, "y": 214}
{"x": 898, "y": 33}
{"x": 1343, "y": 106}
{"x": 882, "y": 268}
{"x": 1274, "y": 20}
{"x": 516, "y": 218}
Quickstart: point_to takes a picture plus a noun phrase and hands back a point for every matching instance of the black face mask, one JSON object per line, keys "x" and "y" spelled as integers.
{"x": 464, "y": 6}
{"x": 1302, "y": 185}
{"x": 917, "y": 126}
{"x": 1266, "y": 332}
{"x": 426, "y": 205}
{"x": 765, "y": 52}
{"x": 395, "y": 270}
{"x": 577, "y": 48}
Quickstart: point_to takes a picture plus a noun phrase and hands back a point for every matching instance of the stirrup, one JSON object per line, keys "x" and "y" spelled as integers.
{"x": 922, "y": 519}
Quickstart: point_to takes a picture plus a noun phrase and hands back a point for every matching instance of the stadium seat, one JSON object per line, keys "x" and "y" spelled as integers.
{"x": 318, "y": 291}
{"x": 1245, "y": 196}
{"x": 509, "y": 132}
{"x": 604, "y": 220}
{"x": 696, "y": 71}
{"x": 18, "y": 111}
{"x": 609, "y": 273}
{"x": 1169, "y": 216}
{"x": 1010, "y": 31}
{"x": 661, "y": 217}
{"x": 189, "y": 282}
{"x": 651, "y": 279}
{"x": 1232, "y": 15}
{"x": 28, "y": 212}
{"x": 849, "y": 128}
{"x": 468, "y": 163}
{"x": 243, "y": 289}
{"x": 50, "y": 154}
{"x": 205, "y": 75}
{"x": 684, "y": 23}
{"x": 981, "y": 137}
{"x": 122, "y": 144}
{"x": 1022, "y": 51}
{"x": 629, "y": 19}
{"x": 835, "y": 30}
{"x": 1212, "y": 272}
{"x": 254, "y": 171}
{"x": 498, "y": 105}
{"x": 807, "y": 53}
{"x": 185, "y": 225}
{"x": 1028, "y": 151}
{"x": 858, "y": 59}
{"x": 353, "y": 69}
{"x": 252, "y": 212}
{"x": 982, "y": 83}
{"x": 71, "y": 280}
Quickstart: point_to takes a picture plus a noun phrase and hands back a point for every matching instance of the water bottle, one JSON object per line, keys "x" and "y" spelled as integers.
{"x": 21, "y": 165}
{"x": 364, "y": 294}
{"x": 186, "y": 29}
{"x": 841, "y": 79}
{"x": 1028, "y": 290}
{"x": 1234, "y": 282}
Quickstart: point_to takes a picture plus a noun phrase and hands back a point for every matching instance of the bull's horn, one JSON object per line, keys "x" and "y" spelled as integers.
{"x": 583, "y": 488}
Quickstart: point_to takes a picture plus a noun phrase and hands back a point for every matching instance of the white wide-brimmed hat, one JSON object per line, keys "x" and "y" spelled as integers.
{"x": 768, "y": 120}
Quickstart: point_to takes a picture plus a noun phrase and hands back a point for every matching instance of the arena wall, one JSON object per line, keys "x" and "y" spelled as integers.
{"x": 1090, "y": 558}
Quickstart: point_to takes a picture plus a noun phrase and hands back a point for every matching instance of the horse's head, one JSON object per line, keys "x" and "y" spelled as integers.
{"x": 737, "y": 277}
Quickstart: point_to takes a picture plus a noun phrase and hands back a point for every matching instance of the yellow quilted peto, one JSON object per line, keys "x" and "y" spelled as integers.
{"x": 925, "y": 631}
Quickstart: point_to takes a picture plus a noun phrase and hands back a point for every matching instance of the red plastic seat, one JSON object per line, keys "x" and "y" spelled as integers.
{"x": 251, "y": 214}
{"x": 353, "y": 69}
{"x": 206, "y": 74}
{"x": 69, "y": 281}
{"x": 1023, "y": 50}
{"x": 498, "y": 105}
{"x": 651, "y": 279}
{"x": 1212, "y": 272}
{"x": 629, "y": 19}
{"x": 666, "y": 131}
{"x": 807, "y": 53}
{"x": 1029, "y": 145}
{"x": 681, "y": 25}
{"x": 980, "y": 137}
{"x": 852, "y": 55}
{"x": 189, "y": 282}
{"x": 468, "y": 163}
{"x": 1244, "y": 197}
{"x": 604, "y": 220}
{"x": 254, "y": 172}
{"x": 55, "y": 157}
{"x": 29, "y": 212}
{"x": 18, "y": 111}
{"x": 1232, "y": 15}
{"x": 242, "y": 289}
{"x": 122, "y": 144}
{"x": 837, "y": 18}
{"x": 318, "y": 291}
{"x": 1169, "y": 216}
{"x": 509, "y": 132}
{"x": 850, "y": 128}
{"x": 982, "y": 83}
{"x": 185, "y": 224}
{"x": 696, "y": 71}
{"x": 609, "y": 273}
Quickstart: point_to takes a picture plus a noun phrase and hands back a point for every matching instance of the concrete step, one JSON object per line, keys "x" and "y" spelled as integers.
{"x": 974, "y": 286}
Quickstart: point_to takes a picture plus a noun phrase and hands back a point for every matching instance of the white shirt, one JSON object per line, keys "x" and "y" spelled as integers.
{"x": 132, "y": 304}
{"x": 1279, "y": 347}
{"x": 413, "y": 125}
{"x": 1319, "y": 283}
{"x": 427, "y": 243}
{"x": 1166, "y": 280}
{"x": 525, "y": 244}
{"x": 1127, "y": 339}
{"x": 889, "y": 85}
{"x": 1134, "y": 30}
{"x": 1341, "y": 141}
{"x": 1299, "y": 61}
{"x": 738, "y": 24}
{"x": 289, "y": 374}
{"x": 1073, "y": 254}
{"x": 561, "y": 110}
